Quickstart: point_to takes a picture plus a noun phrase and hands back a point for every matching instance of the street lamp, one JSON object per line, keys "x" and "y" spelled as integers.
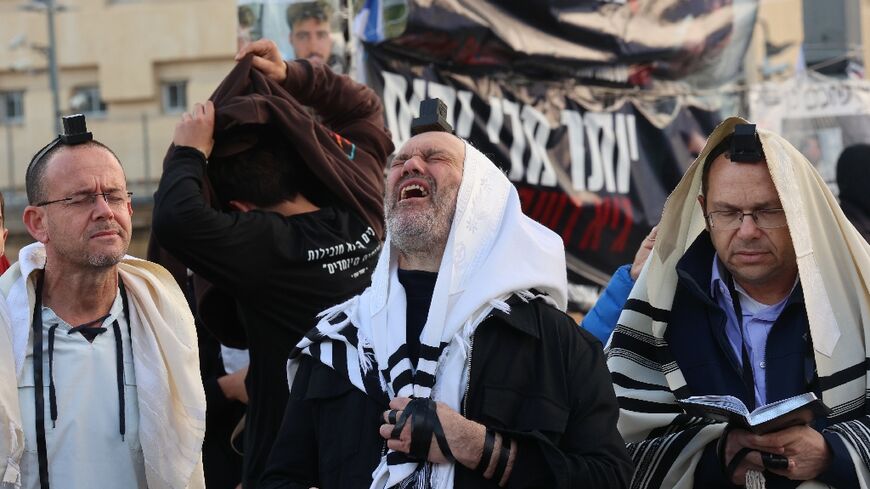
{"x": 50, "y": 7}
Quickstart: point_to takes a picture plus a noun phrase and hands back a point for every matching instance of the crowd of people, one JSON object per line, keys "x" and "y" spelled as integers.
{"x": 404, "y": 322}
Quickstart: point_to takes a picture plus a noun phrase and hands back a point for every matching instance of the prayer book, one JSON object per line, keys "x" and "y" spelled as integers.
{"x": 802, "y": 409}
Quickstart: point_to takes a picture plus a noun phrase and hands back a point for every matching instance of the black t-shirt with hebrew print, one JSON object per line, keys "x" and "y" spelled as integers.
{"x": 280, "y": 270}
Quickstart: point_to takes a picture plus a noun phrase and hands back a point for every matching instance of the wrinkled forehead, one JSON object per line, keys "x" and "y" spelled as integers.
{"x": 74, "y": 164}
{"x": 434, "y": 142}
{"x": 752, "y": 179}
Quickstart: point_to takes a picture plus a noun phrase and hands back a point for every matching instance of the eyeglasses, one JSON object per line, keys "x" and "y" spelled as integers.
{"x": 116, "y": 199}
{"x": 764, "y": 218}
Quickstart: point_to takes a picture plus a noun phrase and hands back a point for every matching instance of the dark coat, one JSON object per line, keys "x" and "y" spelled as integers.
{"x": 697, "y": 340}
{"x": 535, "y": 376}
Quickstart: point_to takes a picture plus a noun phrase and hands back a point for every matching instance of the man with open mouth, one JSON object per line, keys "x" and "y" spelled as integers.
{"x": 457, "y": 367}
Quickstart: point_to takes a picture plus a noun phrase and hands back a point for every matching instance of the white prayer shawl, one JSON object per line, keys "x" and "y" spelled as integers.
{"x": 834, "y": 267}
{"x": 171, "y": 398}
{"x": 493, "y": 252}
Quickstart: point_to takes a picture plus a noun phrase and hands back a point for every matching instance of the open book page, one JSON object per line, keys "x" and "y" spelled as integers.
{"x": 775, "y": 416}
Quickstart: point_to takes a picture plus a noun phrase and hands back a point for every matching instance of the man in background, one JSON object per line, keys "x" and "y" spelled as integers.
{"x": 311, "y": 32}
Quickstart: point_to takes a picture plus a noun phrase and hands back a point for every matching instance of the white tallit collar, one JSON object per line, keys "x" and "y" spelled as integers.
{"x": 165, "y": 358}
{"x": 31, "y": 258}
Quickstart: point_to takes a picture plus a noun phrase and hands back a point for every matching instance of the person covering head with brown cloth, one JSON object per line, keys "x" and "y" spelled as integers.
{"x": 759, "y": 288}
{"x": 297, "y": 219}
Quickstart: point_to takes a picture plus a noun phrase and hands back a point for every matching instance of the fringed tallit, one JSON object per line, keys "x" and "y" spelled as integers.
{"x": 834, "y": 269}
{"x": 165, "y": 358}
{"x": 492, "y": 253}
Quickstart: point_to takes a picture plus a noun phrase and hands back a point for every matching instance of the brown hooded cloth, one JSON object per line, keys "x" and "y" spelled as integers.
{"x": 344, "y": 149}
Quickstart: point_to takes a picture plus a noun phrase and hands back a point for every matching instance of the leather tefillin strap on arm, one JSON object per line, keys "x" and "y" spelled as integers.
{"x": 503, "y": 456}
{"x": 735, "y": 461}
{"x": 488, "y": 447}
{"x": 424, "y": 424}
{"x": 769, "y": 460}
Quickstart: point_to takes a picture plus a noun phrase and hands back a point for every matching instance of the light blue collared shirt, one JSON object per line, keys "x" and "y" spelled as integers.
{"x": 758, "y": 320}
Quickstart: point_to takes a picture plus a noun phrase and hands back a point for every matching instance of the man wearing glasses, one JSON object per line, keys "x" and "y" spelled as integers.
{"x": 721, "y": 309}
{"x": 102, "y": 345}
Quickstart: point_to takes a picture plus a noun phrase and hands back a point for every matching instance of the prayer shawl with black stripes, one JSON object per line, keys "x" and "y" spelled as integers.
{"x": 493, "y": 252}
{"x": 165, "y": 358}
{"x": 834, "y": 268}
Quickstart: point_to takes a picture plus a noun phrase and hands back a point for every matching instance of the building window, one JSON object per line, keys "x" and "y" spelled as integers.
{"x": 174, "y": 96}
{"x": 87, "y": 100}
{"x": 12, "y": 106}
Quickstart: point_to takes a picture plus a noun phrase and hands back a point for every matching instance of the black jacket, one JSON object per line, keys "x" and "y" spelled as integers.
{"x": 534, "y": 376}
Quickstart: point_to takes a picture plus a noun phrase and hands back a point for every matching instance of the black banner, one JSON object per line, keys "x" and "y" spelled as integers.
{"x": 599, "y": 178}
{"x": 624, "y": 42}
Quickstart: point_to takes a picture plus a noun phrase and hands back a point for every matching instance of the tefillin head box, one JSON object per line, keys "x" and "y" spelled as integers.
{"x": 433, "y": 117}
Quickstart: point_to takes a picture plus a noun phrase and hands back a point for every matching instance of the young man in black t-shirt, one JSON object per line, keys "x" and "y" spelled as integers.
{"x": 284, "y": 244}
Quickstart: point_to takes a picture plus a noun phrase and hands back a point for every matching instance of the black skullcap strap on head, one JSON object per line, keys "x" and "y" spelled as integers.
{"x": 433, "y": 117}
{"x": 723, "y": 147}
{"x": 424, "y": 425}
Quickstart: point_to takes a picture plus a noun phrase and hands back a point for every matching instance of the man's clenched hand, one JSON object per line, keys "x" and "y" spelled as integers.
{"x": 196, "y": 129}
{"x": 807, "y": 452}
{"x": 267, "y": 59}
{"x": 464, "y": 437}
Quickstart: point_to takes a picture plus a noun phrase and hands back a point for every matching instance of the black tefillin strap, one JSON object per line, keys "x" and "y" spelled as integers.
{"x": 770, "y": 460}
{"x": 424, "y": 424}
{"x": 488, "y": 447}
{"x": 52, "y": 397}
{"x": 747, "y": 371}
{"x": 39, "y": 396}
